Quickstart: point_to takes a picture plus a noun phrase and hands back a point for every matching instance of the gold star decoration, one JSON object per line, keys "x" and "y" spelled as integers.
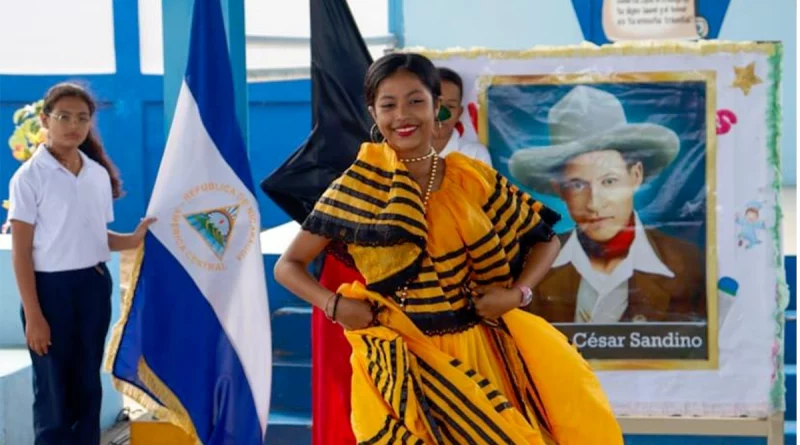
{"x": 746, "y": 78}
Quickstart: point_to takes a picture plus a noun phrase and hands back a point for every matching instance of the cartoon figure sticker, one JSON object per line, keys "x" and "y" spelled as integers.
{"x": 750, "y": 224}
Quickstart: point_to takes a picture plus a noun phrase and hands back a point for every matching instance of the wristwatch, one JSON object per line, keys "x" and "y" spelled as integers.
{"x": 527, "y": 296}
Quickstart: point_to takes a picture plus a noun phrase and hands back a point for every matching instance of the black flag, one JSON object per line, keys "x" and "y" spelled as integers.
{"x": 339, "y": 61}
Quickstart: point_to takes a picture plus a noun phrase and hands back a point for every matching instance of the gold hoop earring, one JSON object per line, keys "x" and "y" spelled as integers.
{"x": 375, "y": 135}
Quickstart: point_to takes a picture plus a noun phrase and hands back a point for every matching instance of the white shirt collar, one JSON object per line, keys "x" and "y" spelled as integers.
{"x": 43, "y": 155}
{"x": 641, "y": 256}
{"x": 452, "y": 144}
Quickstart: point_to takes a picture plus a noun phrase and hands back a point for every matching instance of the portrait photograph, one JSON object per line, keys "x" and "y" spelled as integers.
{"x": 628, "y": 162}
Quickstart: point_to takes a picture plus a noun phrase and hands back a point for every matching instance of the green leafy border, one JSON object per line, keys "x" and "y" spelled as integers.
{"x": 777, "y": 392}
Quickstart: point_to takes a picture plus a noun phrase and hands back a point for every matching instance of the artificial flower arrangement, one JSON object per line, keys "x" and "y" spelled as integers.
{"x": 28, "y": 133}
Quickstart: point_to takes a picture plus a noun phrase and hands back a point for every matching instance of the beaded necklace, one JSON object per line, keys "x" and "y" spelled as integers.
{"x": 431, "y": 180}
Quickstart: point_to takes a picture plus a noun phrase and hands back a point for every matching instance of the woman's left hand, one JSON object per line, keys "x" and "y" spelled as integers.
{"x": 141, "y": 230}
{"x": 495, "y": 301}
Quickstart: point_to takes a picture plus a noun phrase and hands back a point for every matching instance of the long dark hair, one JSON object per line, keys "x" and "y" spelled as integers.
{"x": 389, "y": 64}
{"x": 91, "y": 146}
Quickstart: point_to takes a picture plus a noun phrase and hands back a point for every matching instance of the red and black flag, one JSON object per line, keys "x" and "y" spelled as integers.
{"x": 340, "y": 121}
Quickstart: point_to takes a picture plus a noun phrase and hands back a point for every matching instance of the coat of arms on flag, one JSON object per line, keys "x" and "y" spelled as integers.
{"x": 215, "y": 227}
{"x": 211, "y": 219}
{"x": 193, "y": 344}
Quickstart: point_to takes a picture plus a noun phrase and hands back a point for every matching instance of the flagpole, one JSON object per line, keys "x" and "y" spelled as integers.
{"x": 233, "y": 14}
{"x": 176, "y": 19}
{"x": 200, "y": 286}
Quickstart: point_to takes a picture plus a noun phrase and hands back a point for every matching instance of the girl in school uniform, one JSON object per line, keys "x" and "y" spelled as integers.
{"x": 61, "y": 202}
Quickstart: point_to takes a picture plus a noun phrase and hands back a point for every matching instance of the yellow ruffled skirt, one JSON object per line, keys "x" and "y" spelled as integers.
{"x": 521, "y": 383}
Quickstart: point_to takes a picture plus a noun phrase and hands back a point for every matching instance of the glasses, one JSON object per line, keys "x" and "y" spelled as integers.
{"x": 67, "y": 119}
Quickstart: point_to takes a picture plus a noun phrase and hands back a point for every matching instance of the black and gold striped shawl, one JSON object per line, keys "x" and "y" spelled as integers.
{"x": 375, "y": 210}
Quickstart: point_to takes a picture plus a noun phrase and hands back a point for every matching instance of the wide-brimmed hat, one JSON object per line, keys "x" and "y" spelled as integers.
{"x": 588, "y": 119}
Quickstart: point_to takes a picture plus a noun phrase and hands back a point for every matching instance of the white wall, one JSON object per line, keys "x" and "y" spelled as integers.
{"x": 499, "y": 24}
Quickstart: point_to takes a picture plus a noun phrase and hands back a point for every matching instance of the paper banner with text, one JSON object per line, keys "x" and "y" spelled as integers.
{"x": 606, "y": 21}
{"x": 663, "y": 160}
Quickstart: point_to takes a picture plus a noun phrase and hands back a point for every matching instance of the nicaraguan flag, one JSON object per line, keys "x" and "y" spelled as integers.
{"x": 194, "y": 341}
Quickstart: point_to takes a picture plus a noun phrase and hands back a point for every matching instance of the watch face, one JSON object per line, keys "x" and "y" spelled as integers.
{"x": 527, "y": 296}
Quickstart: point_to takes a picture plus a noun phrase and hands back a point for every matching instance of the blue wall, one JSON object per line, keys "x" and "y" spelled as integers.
{"x": 131, "y": 122}
{"x": 520, "y": 24}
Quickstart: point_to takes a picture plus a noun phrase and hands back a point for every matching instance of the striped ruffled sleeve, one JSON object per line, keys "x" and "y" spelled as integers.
{"x": 514, "y": 211}
{"x": 519, "y": 220}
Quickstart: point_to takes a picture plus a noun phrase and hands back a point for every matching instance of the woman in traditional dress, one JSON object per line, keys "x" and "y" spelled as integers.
{"x": 449, "y": 251}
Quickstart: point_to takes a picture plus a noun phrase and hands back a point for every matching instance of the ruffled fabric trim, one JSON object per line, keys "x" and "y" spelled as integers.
{"x": 374, "y": 217}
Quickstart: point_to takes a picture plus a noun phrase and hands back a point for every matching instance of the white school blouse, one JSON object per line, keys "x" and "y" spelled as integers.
{"x": 70, "y": 213}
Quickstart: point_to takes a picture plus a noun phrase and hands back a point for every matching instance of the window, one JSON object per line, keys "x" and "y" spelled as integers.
{"x": 278, "y": 33}
{"x": 36, "y": 39}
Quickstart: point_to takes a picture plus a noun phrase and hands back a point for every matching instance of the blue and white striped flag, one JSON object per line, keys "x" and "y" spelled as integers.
{"x": 194, "y": 341}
